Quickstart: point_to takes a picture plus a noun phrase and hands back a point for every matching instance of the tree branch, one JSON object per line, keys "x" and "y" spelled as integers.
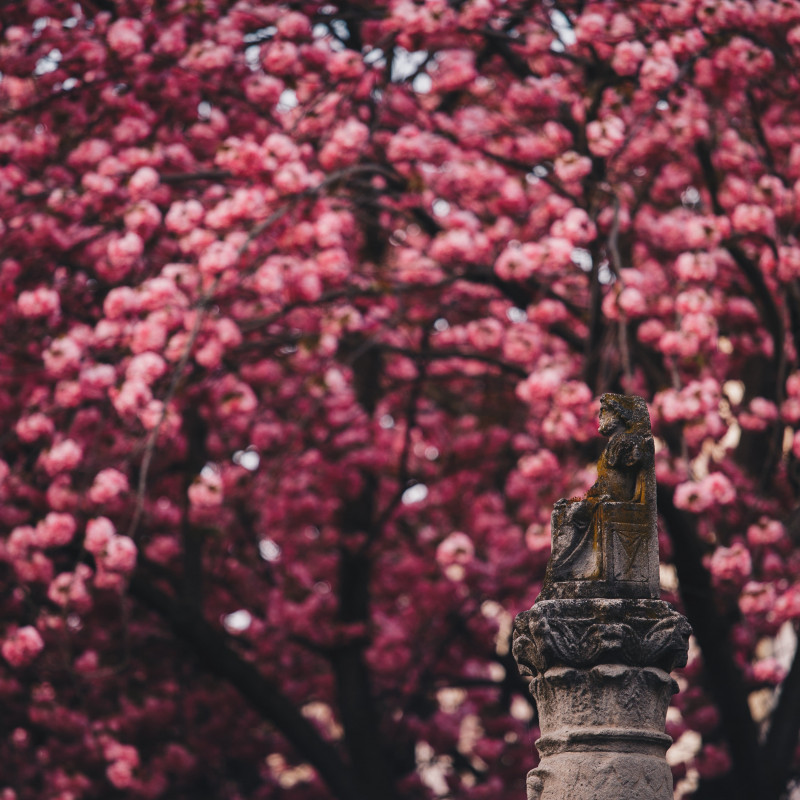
{"x": 784, "y": 729}
{"x": 215, "y": 655}
{"x": 723, "y": 678}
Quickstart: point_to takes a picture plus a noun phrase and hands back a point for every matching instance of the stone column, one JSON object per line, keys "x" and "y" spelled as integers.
{"x": 598, "y": 644}
{"x": 600, "y": 678}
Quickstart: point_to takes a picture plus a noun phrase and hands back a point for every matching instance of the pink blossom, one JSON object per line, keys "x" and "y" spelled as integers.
{"x": 345, "y": 65}
{"x": 149, "y": 334}
{"x": 125, "y": 37}
{"x": 606, "y": 136}
{"x": 454, "y": 69}
{"x": 143, "y": 181}
{"x": 235, "y": 397}
{"x": 20, "y": 540}
{"x": 184, "y": 216}
{"x": 485, "y": 333}
{"x": 163, "y": 292}
{"x": 650, "y": 331}
{"x": 172, "y": 40}
{"x": 279, "y": 58}
{"x": 691, "y": 496}
{"x": 210, "y": 354}
{"x": 712, "y": 761}
{"x": 627, "y": 57}
{"x": 572, "y": 166}
{"x": 124, "y": 251}
{"x": 345, "y": 144}
{"x": 120, "y": 774}
{"x": 574, "y": 226}
{"x": 696, "y": 267}
{"x": 55, "y": 530}
{"x": 108, "y": 484}
{"x": 457, "y": 548}
{"x": 787, "y": 606}
{"x": 64, "y": 456}
{"x": 146, "y": 367}
{"x": 68, "y": 394}
{"x": 89, "y": 152}
{"x": 218, "y": 257}
{"x": 68, "y": 590}
{"x": 521, "y": 344}
{"x": 264, "y": 89}
{"x": 306, "y": 286}
{"x": 757, "y": 598}
{"x": 34, "y": 426}
{"x": 291, "y": 178}
{"x": 547, "y": 312}
{"x": 153, "y": 414}
{"x": 41, "y": 302}
{"x": 130, "y": 397}
{"x": 120, "y": 301}
{"x": 761, "y": 412}
{"x": 789, "y": 263}
{"x": 751, "y": 218}
{"x": 162, "y": 549}
{"x": 659, "y": 69}
{"x": 719, "y": 488}
{"x": 99, "y": 532}
{"x": 679, "y": 343}
{"x": 293, "y": 25}
{"x": 700, "y": 325}
{"x": 519, "y": 262}
{"x": 632, "y": 302}
{"x": 539, "y": 465}
{"x": 87, "y": 662}
{"x": 539, "y": 385}
{"x": 731, "y": 564}
{"x": 130, "y": 130}
{"x": 60, "y": 496}
{"x": 95, "y": 380}
{"x": 120, "y": 554}
{"x": 768, "y": 670}
{"x": 62, "y": 356}
{"x": 207, "y": 56}
{"x": 22, "y": 646}
{"x": 206, "y": 491}
{"x": 278, "y": 149}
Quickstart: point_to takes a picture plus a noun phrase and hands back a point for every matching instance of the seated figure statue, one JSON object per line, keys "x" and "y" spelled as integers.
{"x": 606, "y": 544}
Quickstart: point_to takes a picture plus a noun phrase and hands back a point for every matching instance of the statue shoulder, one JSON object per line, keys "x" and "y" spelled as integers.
{"x": 627, "y": 450}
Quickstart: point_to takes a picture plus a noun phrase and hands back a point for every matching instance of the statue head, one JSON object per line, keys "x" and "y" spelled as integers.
{"x": 621, "y": 412}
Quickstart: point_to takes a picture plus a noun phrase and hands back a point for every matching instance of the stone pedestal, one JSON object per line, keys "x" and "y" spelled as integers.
{"x": 600, "y": 679}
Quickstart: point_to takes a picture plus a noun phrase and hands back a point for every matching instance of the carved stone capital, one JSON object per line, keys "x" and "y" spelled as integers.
{"x": 585, "y": 632}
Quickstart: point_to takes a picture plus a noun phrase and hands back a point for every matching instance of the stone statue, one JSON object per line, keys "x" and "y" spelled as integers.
{"x": 605, "y": 544}
{"x": 598, "y": 644}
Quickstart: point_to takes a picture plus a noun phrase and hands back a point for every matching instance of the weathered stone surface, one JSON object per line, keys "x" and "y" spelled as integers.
{"x": 605, "y": 544}
{"x": 581, "y": 633}
{"x": 598, "y": 644}
{"x": 601, "y": 776}
{"x": 602, "y": 734}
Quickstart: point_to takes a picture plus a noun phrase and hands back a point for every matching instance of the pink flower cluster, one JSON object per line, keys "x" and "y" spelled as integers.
{"x": 124, "y": 760}
{"x": 108, "y": 484}
{"x": 715, "y": 489}
{"x": 22, "y": 646}
{"x": 41, "y": 302}
{"x": 731, "y": 565}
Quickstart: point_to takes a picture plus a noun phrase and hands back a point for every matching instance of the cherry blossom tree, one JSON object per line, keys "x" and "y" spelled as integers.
{"x": 306, "y": 311}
